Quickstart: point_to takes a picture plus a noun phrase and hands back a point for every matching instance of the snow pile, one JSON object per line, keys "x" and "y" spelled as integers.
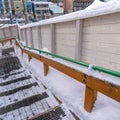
{"x": 95, "y": 9}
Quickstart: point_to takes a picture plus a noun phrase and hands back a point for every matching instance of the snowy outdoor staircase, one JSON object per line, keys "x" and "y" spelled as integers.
{"x": 22, "y": 97}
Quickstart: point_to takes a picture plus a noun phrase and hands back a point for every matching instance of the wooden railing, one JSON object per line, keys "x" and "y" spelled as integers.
{"x": 93, "y": 85}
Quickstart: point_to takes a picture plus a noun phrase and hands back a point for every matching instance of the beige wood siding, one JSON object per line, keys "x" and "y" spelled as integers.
{"x": 46, "y": 37}
{"x": 65, "y": 39}
{"x": 101, "y": 41}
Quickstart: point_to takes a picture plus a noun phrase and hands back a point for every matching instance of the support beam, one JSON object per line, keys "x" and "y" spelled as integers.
{"x": 31, "y": 38}
{"x": 10, "y": 29}
{"x": 29, "y": 58}
{"x": 40, "y": 38}
{"x": 25, "y": 33}
{"x": 53, "y": 38}
{"x": 2, "y": 43}
{"x": 90, "y": 97}
{"x": 11, "y": 42}
{"x": 4, "y": 33}
{"x": 46, "y": 69}
{"x": 19, "y": 33}
{"x": 79, "y": 38}
{"x": 21, "y": 36}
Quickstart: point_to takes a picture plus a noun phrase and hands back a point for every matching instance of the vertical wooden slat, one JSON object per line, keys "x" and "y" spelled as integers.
{"x": 10, "y": 41}
{"x": 39, "y": 36}
{"x": 31, "y": 38}
{"x": 2, "y": 43}
{"x": 25, "y": 33}
{"x": 21, "y": 35}
{"x": 10, "y": 29}
{"x": 79, "y": 37}
{"x": 4, "y": 33}
{"x": 90, "y": 97}
{"x": 29, "y": 57}
{"x": 53, "y": 38}
{"x": 46, "y": 69}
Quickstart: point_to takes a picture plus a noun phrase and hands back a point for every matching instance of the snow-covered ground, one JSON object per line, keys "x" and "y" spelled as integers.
{"x": 72, "y": 93}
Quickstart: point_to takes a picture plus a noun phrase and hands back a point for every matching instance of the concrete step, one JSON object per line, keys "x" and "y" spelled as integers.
{"x": 8, "y": 51}
{"x": 58, "y": 113}
{"x": 15, "y": 80}
{"x": 22, "y": 103}
{"x": 28, "y": 107}
{"x": 9, "y": 64}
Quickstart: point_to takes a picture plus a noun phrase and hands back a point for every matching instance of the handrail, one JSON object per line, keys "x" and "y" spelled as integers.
{"x": 98, "y": 68}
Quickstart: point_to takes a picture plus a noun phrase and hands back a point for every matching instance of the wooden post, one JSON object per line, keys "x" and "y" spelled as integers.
{"x": 40, "y": 37}
{"x": 21, "y": 35}
{"x": 4, "y": 33}
{"x": 25, "y": 34}
{"x": 2, "y": 43}
{"x": 22, "y": 51}
{"x": 29, "y": 57}
{"x": 46, "y": 69}
{"x": 11, "y": 35}
{"x": 90, "y": 97}
{"x": 53, "y": 38}
{"x": 10, "y": 41}
{"x": 31, "y": 37}
{"x": 79, "y": 37}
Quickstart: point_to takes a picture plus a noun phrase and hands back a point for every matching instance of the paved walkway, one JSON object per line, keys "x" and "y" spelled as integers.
{"x": 22, "y": 97}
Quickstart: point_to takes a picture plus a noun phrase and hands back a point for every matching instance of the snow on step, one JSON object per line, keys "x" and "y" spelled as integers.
{"x": 7, "y": 51}
{"x": 15, "y": 80}
{"x": 9, "y": 64}
{"x": 30, "y": 109}
{"x": 14, "y": 76}
{"x": 60, "y": 112}
{"x": 12, "y": 98}
{"x": 16, "y": 85}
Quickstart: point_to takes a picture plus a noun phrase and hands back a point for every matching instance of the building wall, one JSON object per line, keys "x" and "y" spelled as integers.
{"x": 68, "y": 4}
{"x": 101, "y": 44}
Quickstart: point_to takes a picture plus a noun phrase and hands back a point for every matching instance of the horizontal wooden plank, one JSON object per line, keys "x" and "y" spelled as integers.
{"x": 5, "y": 40}
{"x": 64, "y": 69}
{"x": 106, "y": 88}
{"x": 38, "y": 57}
